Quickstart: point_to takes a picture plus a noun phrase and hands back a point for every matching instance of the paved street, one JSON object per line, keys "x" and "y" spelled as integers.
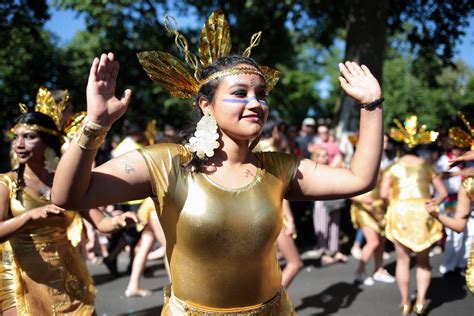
{"x": 315, "y": 291}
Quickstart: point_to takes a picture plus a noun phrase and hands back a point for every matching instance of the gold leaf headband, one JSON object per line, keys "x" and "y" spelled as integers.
{"x": 410, "y": 134}
{"x": 460, "y": 137}
{"x": 173, "y": 75}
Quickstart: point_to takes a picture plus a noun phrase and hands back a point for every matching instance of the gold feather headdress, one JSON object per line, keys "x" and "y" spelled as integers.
{"x": 410, "y": 134}
{"x": 174, "y": 76}
{"x": 460, "y": 137}
{"x": 46, "y": 104}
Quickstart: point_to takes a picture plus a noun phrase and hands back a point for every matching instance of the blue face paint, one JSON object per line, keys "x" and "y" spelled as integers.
{"x": 245, "y": 101}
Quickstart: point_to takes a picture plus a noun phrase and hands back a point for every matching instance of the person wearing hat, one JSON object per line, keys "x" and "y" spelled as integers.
{"x": 307, "y": 130}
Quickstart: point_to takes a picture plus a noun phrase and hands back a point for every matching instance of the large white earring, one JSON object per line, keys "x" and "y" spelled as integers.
{"x": 51, "y": 160}
{"x": 205, "y": 137}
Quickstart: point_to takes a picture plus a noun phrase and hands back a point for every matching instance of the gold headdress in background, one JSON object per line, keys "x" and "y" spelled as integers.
{"x": 173, "y": 75}
{"x": 410, "y": 134}
{"x": 45, "y": 104}
{"x": 460, "y": 137}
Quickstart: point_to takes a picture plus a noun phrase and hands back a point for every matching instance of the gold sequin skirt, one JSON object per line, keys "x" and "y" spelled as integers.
{"x": 51, "y": 279}
{"x": 410, "y": 224}
{"x": 369, "y": 216}
{"x": 7, "y": 285}
{"x": 280, "y": 305}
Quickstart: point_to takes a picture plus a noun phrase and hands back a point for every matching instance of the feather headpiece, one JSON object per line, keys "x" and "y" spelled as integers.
{"x": 460, "y": 137}
{"x": 410, "y": 134}
{"x": 176, "y": 78}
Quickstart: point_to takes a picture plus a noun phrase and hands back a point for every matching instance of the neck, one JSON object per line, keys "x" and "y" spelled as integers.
{"x": 37, "y": 170}
{"x": 231, "y": 152}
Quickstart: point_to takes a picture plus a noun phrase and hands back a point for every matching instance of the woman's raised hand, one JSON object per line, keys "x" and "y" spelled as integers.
{"x": 103, "y": 107}
{"x": 359, "y": 83}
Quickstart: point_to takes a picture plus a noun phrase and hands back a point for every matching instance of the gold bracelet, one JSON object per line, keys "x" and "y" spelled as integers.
{"x": 91, "y": 135}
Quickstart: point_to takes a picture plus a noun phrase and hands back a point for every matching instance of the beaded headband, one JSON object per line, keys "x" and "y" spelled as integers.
{"x": 460, "y": 137}
{"x": 173, "y": 75}
{"x": 410, "y": 134}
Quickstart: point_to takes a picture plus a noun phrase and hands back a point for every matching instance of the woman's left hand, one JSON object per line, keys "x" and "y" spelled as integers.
{"x": 122, "y": 220}
{"x": 432, "y": 208}
{"x": 359, "y": 83}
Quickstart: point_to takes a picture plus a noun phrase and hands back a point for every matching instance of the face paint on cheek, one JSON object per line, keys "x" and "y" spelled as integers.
{"x": 245, "y": 101}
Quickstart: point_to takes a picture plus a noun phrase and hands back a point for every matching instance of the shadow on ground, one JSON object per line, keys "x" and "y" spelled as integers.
{"x": 331, "y": 299}
{"x": 156, "y": 310}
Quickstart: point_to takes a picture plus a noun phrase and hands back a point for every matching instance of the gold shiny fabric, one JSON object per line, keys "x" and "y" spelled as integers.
{"x": 408, "y": 222}
{"x": 373, "y": 216}
{"x": 221, "y": 242}
{"x": 468, "y": 185}
{"x": 7, "y": 286}
{"x": 51, "y": 278}
{"x": 145, "y": 212}
{"x": 279, "y": 305}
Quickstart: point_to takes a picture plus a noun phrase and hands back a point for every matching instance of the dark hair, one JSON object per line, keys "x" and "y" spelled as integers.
{"x": 208, "y": 91}
{"x": 54, "y": 142}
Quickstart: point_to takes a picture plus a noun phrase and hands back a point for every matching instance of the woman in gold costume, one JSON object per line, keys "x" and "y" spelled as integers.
{"x": 49, "y": 275}
{"x": 406, "y": 186}
{"x": 368, "y": 214}
{"x": 218, "y": 202}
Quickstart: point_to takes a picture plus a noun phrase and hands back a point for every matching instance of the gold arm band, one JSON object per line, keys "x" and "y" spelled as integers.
{"x": 38, "y": 128}
{"x": 230, "y": 72}
{"x": 91, "y": 135}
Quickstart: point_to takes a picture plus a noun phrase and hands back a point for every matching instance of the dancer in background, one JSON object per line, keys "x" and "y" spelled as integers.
{"x": 368, "y": 214}
{"x": 49, "y": 275}
{"x": 406, "y": 187}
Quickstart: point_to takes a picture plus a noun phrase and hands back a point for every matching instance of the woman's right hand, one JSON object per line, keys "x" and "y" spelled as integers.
{"x": 103, "y": 107}
{"x": 44, "y": 211}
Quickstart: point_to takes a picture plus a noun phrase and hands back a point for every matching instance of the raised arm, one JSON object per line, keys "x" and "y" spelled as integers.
{"x": 323, "y": 182}
{"x": 125, "y": 178}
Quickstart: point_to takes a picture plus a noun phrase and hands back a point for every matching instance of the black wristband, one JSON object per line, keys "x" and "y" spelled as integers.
{"x": 372, "y": 105}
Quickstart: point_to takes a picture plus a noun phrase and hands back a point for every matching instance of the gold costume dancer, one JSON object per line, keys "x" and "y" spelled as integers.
{"x": 462, "y": 138}
{"x": 50, "y": 276}
{"x": 407, "y": 219}
{"x": 406, "y": 186}
{"x": 369, "y": 215}
{"x": 7, "y": 285}
{"x": 220, "y": 204}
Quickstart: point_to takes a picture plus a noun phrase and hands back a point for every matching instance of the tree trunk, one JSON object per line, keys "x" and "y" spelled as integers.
{"x": 365, "y": 44}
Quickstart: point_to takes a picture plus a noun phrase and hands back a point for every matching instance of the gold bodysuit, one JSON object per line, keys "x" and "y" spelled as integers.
{"x": 468, "y": 185}
{"x": 221, "y": 243}
{"x": 373, "y": 215}
{"x": 408, "y": 222}
{"x": 7, "y": 286}
{"x": 50, "y": 275}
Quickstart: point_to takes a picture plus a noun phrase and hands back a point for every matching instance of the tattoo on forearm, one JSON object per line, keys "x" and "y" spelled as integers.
{"x": 129, "y": 169}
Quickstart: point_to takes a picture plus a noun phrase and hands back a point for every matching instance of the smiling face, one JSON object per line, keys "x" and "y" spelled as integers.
{"x": 28, "y": 145}
{"x": 240, "y": 106}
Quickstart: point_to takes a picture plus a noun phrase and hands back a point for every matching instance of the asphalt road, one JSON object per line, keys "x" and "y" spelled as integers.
{"x": 315, "y": 291}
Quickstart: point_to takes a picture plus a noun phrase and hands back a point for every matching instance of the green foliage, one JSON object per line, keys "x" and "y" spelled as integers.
{"x": 299, "y": 38}
{"x": 406, "y": 94}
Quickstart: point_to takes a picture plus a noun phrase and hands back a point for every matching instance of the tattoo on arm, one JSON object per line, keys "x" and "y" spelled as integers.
{"x": 129, "y": 169}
